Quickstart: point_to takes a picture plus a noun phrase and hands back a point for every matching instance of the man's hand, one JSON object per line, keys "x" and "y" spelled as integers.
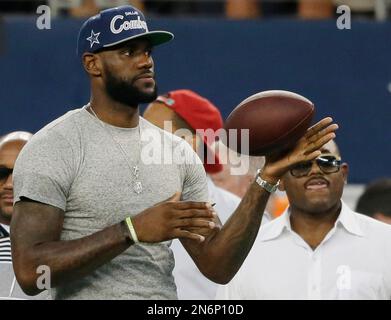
{"x": 172, "y": 219}
{"x": 306, "y": 149}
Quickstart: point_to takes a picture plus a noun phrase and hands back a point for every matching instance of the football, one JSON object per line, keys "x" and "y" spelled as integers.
{"x": 275, "y": 120}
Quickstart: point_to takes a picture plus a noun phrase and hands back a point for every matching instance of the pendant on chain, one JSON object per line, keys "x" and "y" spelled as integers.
{"x": 138, "y": 187}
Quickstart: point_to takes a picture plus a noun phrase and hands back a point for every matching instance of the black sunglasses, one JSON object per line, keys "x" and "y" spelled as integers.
{"x": 5, "y": 173}
{"x": 326, "y": 163}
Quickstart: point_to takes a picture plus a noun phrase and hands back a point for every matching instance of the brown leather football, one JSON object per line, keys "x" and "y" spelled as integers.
{"x": 276, "y": 119}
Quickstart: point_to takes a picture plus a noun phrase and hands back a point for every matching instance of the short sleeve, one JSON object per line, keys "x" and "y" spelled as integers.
{"x": 195, "y": 186}
{"x": 44, "y": 169}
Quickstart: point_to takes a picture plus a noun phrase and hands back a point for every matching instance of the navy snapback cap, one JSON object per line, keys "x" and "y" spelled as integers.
{"x": 116, "y": 25}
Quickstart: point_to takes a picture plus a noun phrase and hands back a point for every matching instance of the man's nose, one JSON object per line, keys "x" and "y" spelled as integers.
{"x": 146, "y": 61}
{"x": 315, "y": 168}
{"x": 8, "y": 184}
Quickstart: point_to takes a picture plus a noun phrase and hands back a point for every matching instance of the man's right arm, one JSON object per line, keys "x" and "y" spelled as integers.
{"x": 35, "y": 240}
{"x": 36, "y": 230}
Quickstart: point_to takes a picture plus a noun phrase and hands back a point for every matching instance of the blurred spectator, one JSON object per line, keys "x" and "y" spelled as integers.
{"x": 88, "y": 8}
{"x": 243, "y": 9}
{"x": 316, "y": 9}
{"x": 232, "y": 9}
{"x": 85, "y": 9}
{"x": 376, "y": 200}
{"x": 20, "y": 6}
{"x": 306, "y": 9}
{"x": 250, "y": 9}
{"x": 357, "y": 5}
{"x": 281, "y": 7}
{"x": 185, "y": 7}
{"x": 378, "y": 9}
{"x": 10, "y": 146}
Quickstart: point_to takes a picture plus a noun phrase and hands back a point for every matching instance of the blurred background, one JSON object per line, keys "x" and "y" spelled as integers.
{"x": 225, "y": 50}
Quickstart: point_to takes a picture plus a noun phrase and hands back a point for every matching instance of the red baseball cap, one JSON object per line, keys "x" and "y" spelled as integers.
{"x": 199, "y": 113}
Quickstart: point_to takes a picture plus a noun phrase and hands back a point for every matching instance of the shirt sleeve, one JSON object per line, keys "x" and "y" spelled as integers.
{"x": 195, "y": 186}
{"x": 44, "y": 170}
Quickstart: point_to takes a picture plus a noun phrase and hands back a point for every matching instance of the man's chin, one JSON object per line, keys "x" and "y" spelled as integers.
{"x": 147, "y": 92}
{"x": 131, "y": 94}
{"x": 319, "y": 205}
{"x": 6, "y": 213}
{"x": 147, "y": 97}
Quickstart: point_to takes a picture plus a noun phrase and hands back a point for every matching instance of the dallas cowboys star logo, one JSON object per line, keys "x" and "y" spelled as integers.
{"x": 93, "y": 38}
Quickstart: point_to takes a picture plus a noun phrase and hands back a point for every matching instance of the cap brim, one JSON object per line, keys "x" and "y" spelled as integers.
{"x": 155, "y": 37}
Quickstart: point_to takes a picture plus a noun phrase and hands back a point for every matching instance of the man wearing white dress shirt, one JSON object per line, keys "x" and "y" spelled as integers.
{"x": 319, "y": 248}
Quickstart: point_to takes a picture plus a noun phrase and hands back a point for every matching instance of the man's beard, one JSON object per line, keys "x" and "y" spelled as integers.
{"x": 126, "y": 93}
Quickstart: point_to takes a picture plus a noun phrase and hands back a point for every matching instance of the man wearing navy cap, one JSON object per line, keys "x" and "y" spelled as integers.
{"x": 100, "y": 218}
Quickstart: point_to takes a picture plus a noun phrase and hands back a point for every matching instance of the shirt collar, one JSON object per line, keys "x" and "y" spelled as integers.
{"x": 347, "y": 219}
{"x": 275, "y": 228}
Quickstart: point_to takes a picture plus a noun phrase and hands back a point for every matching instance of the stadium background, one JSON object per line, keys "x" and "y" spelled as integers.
{"x": 347, "y": 73}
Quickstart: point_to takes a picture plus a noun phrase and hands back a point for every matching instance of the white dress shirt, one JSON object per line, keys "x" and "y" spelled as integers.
{"x": 191, "y": 284}
{"x": 352, "y": 262}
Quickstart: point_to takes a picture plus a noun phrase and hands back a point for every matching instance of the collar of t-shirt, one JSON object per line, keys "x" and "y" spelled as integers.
{"x": 347, "y": 219}
{"x": 4, "y": 230}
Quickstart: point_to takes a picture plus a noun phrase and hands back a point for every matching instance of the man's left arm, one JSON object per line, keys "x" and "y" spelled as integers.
{"x": 222, "y": 253}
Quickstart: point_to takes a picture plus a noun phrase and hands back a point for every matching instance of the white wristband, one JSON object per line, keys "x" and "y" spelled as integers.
{"x": 131, "y": 230}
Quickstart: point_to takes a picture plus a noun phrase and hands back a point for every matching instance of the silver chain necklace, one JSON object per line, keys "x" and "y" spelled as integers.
{"x": 137, "y": 185}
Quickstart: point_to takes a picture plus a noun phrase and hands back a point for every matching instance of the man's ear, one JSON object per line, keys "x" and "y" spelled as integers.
{"x": 345, "y": 171}
{"x": 92, "y": 64}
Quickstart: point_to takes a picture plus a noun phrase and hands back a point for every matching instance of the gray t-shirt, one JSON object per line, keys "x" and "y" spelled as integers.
{"x": 75, "y": 164}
